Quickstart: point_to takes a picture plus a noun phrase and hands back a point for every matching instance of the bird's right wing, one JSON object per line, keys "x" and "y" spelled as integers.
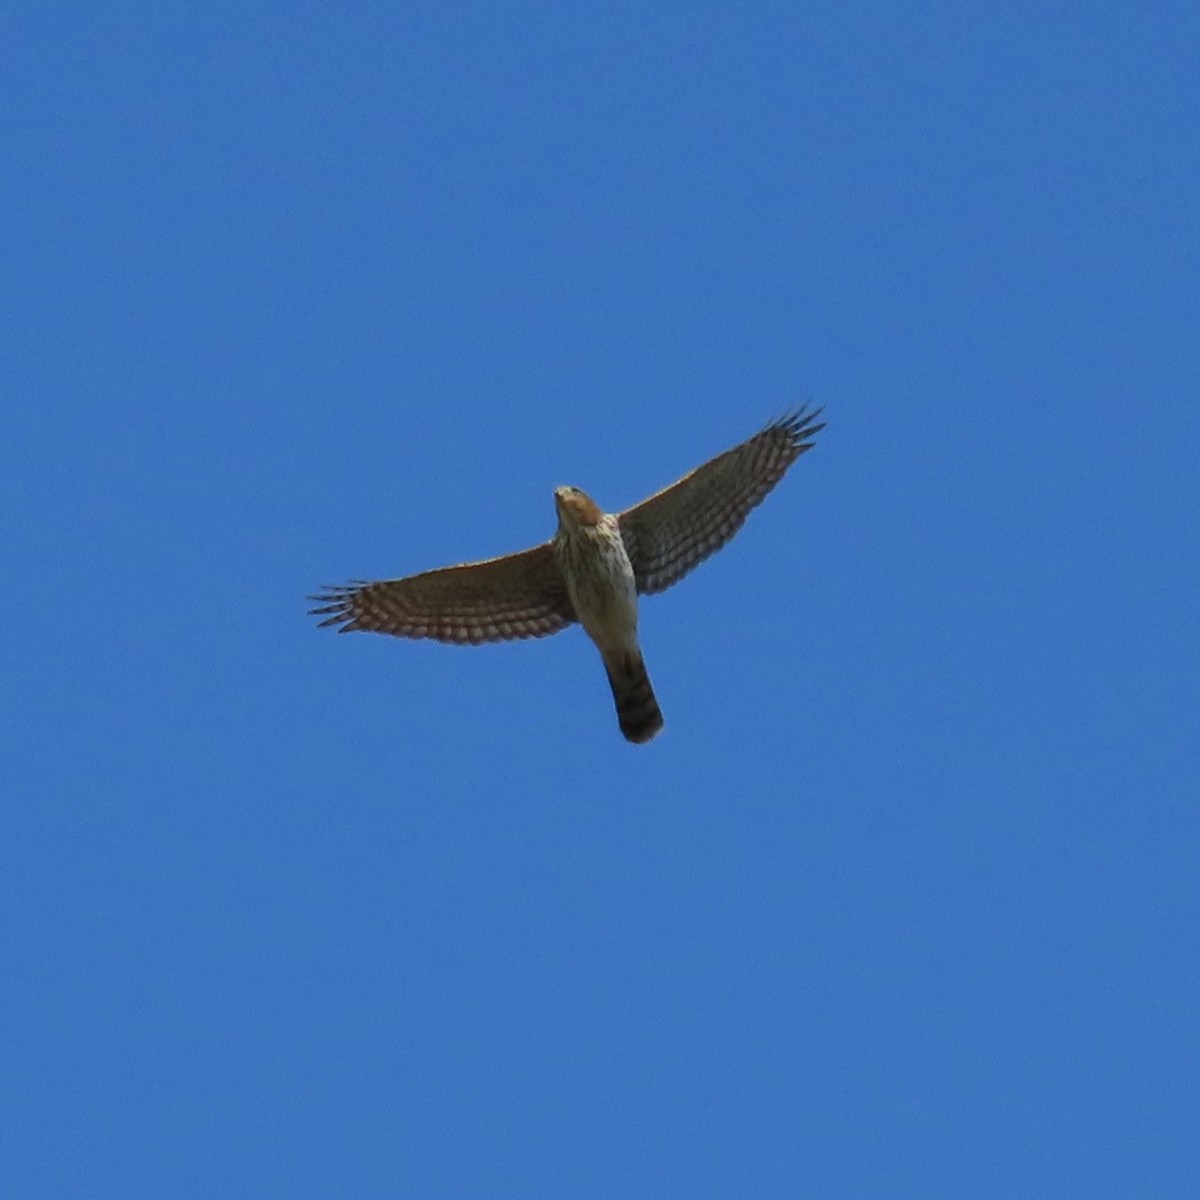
{"x": 678, "y": 528}
{"x": 517, "y": 596}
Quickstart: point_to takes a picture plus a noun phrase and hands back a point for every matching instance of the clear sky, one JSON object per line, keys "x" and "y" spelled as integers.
{"x": 904, "y": 900}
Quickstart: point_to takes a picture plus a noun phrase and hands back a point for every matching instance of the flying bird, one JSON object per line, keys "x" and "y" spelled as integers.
{"x": 592, "y": 570}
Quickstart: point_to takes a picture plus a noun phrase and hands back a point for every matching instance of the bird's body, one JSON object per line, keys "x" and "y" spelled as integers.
{"x": 591, "y": 571}
{"x": 603, "y": 590}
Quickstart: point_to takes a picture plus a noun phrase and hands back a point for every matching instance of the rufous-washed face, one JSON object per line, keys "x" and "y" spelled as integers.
{"x": 576, "y": 506}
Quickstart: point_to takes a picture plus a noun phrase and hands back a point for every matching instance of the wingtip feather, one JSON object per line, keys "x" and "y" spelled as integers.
{"x": 800, "y": 427}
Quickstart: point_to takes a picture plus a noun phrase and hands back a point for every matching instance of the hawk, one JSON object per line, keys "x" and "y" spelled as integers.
{"x": 592, "y": 570}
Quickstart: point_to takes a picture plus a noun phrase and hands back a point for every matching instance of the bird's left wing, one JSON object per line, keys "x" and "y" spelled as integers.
{"x": 517, "y": 596}
{"x": 678, "y": 528}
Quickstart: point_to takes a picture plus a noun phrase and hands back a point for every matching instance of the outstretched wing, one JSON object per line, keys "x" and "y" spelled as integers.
{"x": 518, "y": 596}
{"x": 678, "y": 528}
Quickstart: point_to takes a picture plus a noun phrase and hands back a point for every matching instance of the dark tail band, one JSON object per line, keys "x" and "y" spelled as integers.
{"x": 637, "y": 710}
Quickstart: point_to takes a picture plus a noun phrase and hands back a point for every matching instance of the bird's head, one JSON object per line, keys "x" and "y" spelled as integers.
{"x": 576, "y": 507}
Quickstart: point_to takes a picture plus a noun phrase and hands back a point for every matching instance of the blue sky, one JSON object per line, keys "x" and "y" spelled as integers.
{"x": 903, "y": 901}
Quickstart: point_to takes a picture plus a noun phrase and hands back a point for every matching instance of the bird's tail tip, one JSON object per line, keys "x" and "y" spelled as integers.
{"x": 638, "y": 713}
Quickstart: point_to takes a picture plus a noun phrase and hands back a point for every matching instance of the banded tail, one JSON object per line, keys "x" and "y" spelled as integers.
{"x": 638, "y": 713}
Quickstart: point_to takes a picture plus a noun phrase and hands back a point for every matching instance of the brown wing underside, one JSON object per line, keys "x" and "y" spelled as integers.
{"x": 676, "y": 529}
{"x": 499, "y": 599}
